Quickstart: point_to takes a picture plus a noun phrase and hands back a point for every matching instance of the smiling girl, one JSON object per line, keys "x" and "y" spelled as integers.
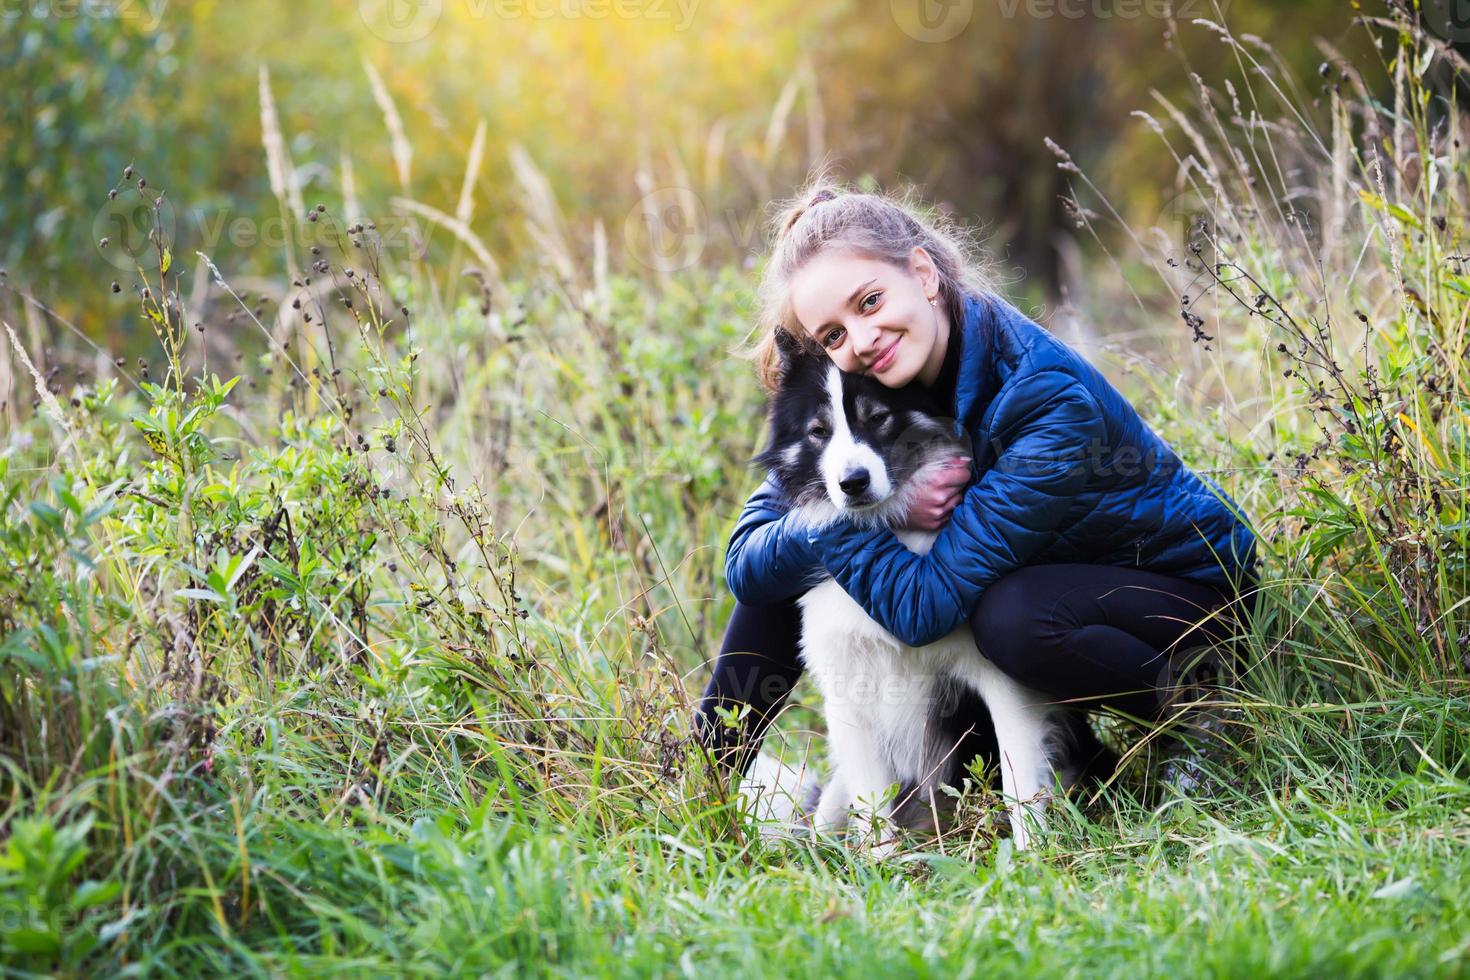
{"x": 1082, "y": 552}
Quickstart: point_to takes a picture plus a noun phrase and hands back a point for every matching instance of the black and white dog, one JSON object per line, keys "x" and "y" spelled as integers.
{"x": 847, "y": 447}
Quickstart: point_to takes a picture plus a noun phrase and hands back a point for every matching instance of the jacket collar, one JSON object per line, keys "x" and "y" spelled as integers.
{"x": 975, "y": 386}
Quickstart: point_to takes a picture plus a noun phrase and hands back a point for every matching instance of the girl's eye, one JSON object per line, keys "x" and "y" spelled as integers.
{"x": 833, "y": 336}
{"x": 863, "y": 307}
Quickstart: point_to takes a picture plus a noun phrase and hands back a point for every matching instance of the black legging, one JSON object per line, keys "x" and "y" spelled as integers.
{"x": 1102, "y": 634}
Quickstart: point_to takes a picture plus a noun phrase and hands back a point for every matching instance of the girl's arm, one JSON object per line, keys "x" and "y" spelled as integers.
{"x": 1055, "y": 427}
{"x": 769, "y": 558}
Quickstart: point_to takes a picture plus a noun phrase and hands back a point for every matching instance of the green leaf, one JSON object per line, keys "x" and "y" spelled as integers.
{"x": 48, "y": 515}
{"x": 1387, "y": 207}
{"x": 206, "y": 595}
{"x": 244, "y": 566}
{"x": 42, "y": 941}
{"x": 90, "y": 893}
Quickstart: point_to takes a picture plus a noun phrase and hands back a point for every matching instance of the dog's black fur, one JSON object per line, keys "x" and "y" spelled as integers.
{"x": 903, "y": 425}
{"x": 908, "y": 430}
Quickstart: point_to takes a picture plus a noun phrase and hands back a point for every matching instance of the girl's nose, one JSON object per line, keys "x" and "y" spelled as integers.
{"x": 865, "y": 340}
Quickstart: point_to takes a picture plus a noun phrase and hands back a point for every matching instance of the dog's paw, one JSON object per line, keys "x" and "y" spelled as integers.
{"x": 779, "y": 797}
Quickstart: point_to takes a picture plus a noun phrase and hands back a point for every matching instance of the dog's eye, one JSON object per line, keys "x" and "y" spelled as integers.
{"x": 879, "y": 419}
{"x": 818, "y": 431}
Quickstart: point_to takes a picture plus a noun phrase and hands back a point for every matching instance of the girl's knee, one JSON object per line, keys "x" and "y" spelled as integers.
{"x": 1008, "y": 626}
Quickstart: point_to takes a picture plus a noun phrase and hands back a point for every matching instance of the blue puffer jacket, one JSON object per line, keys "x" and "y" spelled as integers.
{"x": 1067, "y": 472}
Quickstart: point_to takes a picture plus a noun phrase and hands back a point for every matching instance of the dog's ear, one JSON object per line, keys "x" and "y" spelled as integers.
{"x": 790, "y": 347}
{"x": 795, "y": 353}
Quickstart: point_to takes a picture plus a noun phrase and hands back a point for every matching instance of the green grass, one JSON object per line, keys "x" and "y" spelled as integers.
{"x": 1324, "y": 875}
{"x": 381, "y": 659}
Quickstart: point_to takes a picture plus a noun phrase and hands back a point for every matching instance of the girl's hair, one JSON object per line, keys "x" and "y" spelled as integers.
{"x": 826, "y": 215}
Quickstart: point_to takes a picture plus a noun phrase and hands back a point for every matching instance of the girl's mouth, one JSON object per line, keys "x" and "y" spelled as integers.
{"x": 886, "y": 358}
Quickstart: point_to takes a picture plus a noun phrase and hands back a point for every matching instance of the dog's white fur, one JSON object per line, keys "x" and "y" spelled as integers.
{"x": 877, "y": 695}
{"x": 877, "y": 692}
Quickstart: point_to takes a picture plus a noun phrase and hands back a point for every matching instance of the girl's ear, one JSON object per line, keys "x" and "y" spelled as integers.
{"x": 922, "y": 264}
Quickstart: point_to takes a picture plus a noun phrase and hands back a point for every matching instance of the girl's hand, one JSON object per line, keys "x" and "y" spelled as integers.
{"x": 939, "y": 495}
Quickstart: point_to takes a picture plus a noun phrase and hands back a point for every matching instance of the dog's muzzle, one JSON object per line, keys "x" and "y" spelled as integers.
{"x": 857, "y": 485}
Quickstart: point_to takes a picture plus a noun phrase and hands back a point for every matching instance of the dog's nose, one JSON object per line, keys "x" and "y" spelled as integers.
{"x": 854, "y": 481}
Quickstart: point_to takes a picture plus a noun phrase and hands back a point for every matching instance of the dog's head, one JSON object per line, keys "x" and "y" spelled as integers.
{"x": 847, "y": 445}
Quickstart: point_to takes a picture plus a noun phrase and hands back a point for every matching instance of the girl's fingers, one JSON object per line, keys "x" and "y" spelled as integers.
{"x": 953, "y": 475}
{"x": 945, "y": 486}
{"x": 938, "y": 502}
{"x": 942, "y": 494}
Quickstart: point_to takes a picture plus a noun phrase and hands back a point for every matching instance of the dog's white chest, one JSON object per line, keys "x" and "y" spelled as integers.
{"x": 838, "y": 635}
{"x": 833, "y": 624}
{"x": 846, "y": 648}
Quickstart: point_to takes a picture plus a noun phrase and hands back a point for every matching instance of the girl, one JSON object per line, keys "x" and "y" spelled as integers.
{"x": 1083, "y": 554}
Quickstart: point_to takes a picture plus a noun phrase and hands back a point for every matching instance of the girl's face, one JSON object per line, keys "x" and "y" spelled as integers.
{"x": 874, "y": 318}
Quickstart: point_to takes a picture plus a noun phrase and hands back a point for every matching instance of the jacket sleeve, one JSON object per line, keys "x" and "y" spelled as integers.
{"x": 769, "y": 558}
{"x": 1055, "y": 428}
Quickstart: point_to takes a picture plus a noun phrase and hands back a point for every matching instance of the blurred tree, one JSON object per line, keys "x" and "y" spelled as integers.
{"x": 696, "y": 115}
{"x": 975, "y": 108}
{"x": 73, "y": 114}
